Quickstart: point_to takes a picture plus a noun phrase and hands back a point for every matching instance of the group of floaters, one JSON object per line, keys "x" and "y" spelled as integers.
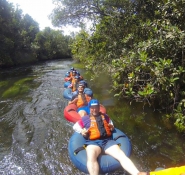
{"x": 95, "y": 132}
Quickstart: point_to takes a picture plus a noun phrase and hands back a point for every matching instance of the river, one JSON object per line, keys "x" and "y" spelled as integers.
{"x": 34, "y": 134}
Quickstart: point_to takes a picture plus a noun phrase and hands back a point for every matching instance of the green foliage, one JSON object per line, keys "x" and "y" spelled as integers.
{"x": 19, "y": 36}
{"x": 80, "y": 47}
{"x": 179, "y": 116}
{"x": 140, "y": 43}
{"x": 51, "y": 44}
{"x": 76, "y": 12}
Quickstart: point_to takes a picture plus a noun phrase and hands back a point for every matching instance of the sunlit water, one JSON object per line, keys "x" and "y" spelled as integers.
{"x": 34, "y": 134}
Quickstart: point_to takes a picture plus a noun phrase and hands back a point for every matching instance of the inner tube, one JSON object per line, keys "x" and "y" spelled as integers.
{"x": 107, "y": 163}
{"x": 66, "y": 84}
{"x": 67, "y": 94}
{"x": 70, "y": 112}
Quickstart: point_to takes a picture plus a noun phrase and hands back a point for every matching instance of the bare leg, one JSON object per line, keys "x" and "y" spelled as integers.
{"x": 125, "y": 162}
{"x": 93, "y": 152}
{"x": 82, "y": 113}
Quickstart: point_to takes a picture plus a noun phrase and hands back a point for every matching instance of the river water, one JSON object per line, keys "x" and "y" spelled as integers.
{"x": 34, "y": 134}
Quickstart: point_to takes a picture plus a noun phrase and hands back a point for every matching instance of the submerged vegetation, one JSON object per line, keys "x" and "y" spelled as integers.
{"x": 20, "y": 87}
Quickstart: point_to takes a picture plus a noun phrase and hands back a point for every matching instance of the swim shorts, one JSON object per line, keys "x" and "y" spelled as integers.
{"x": 103, "y": 144}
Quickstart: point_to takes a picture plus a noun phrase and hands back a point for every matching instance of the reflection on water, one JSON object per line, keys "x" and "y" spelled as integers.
{"x": 34, "y": 134}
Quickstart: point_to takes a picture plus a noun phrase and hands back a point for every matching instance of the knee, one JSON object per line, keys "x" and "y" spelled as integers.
{"x": 92, "y": 154}
{"x": 82, "y": 113}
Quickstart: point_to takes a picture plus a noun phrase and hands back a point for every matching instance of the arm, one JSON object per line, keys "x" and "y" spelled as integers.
{"x": 110, "y": 122}
{"x": 70, "y": 86}
{"x": 79, "y": 127}
{"x": 73, "y": 99}
{"x": 111, "y": 126}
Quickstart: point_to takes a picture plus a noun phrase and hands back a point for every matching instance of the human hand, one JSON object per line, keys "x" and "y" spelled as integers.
{"x": 75, "y": 100}
{"x": 142, "y": 173}
{"x": 111, "y": 127}
{"x": 84, "y": 132}
{"x": 70, "y": 86}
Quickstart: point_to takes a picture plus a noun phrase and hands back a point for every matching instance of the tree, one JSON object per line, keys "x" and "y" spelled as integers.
{"x": 76, "y": 12}
{"x": 141, "y": 43}
{"x": 6, "y": 43}
{"x": 51, "y": 44}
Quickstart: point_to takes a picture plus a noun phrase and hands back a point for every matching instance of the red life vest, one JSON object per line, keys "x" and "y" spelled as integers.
{"x": 95, "y": 132}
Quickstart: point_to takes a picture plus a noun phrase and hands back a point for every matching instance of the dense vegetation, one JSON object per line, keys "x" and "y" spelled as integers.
{"x": 140, "y": 42}
{"x": 22, "y": 42}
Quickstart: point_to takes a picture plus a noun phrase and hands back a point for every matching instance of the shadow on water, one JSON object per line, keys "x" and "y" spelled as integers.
{"x": 34, "y": 134}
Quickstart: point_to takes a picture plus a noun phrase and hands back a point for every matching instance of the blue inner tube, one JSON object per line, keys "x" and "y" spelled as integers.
{"x": 107, "y": 163}
{"x": 67, "y": 83}
{"x": 67, "y": 94}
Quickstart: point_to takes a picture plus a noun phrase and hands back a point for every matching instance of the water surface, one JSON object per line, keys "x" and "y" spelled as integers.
{"x": 34, "y": 134}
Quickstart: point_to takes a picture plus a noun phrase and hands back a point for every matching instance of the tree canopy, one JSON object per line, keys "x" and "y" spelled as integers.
{"x": 19, "y": 36}
{"x": 140, "y": 42}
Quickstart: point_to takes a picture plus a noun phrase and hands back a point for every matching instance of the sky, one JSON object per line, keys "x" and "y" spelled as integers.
{"x": 39, "y": 10}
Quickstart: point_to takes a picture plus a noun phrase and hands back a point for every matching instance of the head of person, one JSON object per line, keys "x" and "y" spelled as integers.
{"x": 84, "y": 82}
{"x": 81, "y": 87}
{"x": 67, "y": 75}
{"x": 94, "y": 106}
{"x": 77, "y": 78}
{"x": 72, "y": 68}
{"x": 73, "y": 72}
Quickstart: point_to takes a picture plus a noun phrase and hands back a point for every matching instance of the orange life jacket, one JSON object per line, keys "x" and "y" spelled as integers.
{"x": 74, "y": 84}
{"x": 71, "y": 73}
{"x": 94, "y": 132}
{"x": 83, "y": 100}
